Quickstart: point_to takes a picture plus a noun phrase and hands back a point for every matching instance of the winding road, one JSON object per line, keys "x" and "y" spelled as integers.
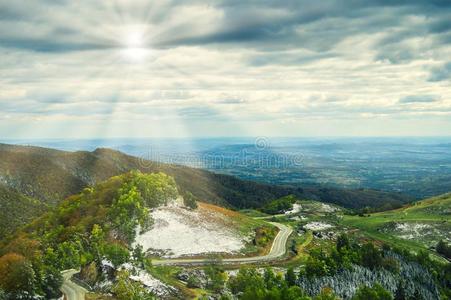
{"x": 278, "y": 249}
{"x": 72, "y": 291}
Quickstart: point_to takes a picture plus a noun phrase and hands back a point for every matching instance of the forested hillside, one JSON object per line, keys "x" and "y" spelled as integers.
{"x": 16, "y": 210}
{"x": 52, "y": 175}
{"x": 35, "y": 178}
{"x": 99, "y": 223}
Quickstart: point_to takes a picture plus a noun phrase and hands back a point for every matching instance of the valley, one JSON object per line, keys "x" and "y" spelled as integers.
{"x": 225, "y": 150}
{"x": 146, "y": 235}
{"x": 47, "y": 176}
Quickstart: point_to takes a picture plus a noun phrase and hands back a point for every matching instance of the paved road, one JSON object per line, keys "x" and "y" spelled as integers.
{"x": 71, "y": 290}
{"x": 278, "y": 250}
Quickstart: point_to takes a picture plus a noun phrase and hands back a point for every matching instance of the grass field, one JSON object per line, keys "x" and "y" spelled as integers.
{"x": 417, "y": 226}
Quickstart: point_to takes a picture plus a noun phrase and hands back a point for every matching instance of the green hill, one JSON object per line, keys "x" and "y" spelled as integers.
{"x": 416, "y": 226}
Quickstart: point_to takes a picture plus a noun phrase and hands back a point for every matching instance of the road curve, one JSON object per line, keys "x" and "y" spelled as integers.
{"x": 71, "y": 290}
{"x": 278, "y": 250}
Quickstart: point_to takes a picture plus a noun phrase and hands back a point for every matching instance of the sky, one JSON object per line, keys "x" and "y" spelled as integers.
{"x": 117, "y": 68}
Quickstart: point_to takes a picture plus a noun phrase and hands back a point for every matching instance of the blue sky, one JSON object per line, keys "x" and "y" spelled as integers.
{"x": 86, "y": 69}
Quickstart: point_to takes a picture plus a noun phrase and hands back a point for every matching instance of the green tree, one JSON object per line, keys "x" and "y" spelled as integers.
{"x": 116, "y": 253}
{"x": 216, "y": 276}
{"x": 139, "y": 256}
{"x": 155, "y": 188}
{"x": 279, "y": 205}
{"x": 271, "y": 280}
{"x": 128, "y": 211}
{"x": 417, "y": 295}
{"x": 127, "y": 289}
{"x": 371, "y": 257}
{"x": 3, "y": 295}
{"x": 189, "y": 200}
{"x": 444, "y": 249}
{"x": 377, "y": 292}
{"x": 51, "y": 282}
{"x": 342, "y": 242}
{"x": 400, "y": 293}
{"x": 326, "y": 294}
{"x": 68, "y": 254}
{"x": 246, "y": 278}
{"x": 294, "y": 293}
{"x": 290, "y": 277}
{"x": 315, "y": 267}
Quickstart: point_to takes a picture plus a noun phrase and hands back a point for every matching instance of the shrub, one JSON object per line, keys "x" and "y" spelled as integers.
{"x": 189, "y": 200}
{"x": 16, "y": 273}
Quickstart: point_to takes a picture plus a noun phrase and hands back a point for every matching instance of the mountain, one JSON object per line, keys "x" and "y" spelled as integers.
{"x": 50, "y": 176}
{"x": 101, "y": 223}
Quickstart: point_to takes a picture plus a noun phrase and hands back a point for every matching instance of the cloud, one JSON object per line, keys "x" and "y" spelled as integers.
{"x": 441, "y": 73}
{"x": 246, "y": 65}
{"x": 419, "y": 99}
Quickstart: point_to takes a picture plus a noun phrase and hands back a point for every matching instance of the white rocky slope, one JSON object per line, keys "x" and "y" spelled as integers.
{"x": 178, "y": 232}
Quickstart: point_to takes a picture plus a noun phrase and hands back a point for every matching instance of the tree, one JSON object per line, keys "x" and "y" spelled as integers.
{"x": 3, "y": 295}
{"x": 342, "y": 242}
{"x": 444, "y": 249}
{"x": 139, "y": 256}
{"x": 116, "y": 253}
{"x": 16, "y": 273}
{"x": 315, "y": 267}
{"x": 189, "y": 200}
{"x": 271, "y": 279}
{"x": 279, "y": 205}
{"x": 417, "y": 295}
{"x": 68, "y": 254}
{"x": 377, "y": 292}
{"x": 51, "y": 282}
{"x": 246, "y": 278}
{"x": 400, "y": 293}
{"x": 294, "y": 293}
{"x": 326, "y": 294}
{"x": 127, "y": 289}
{"x": 215, "y": 274}
{"x": 290, "y": 277}
{"x": 371, "y": 257}
{"x": 128, "y": 211}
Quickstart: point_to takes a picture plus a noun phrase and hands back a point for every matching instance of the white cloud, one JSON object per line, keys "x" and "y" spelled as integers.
{"x": 225, "y": 69}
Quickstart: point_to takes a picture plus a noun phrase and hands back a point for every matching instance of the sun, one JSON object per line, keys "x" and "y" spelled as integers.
{"x": 135, "y": 49}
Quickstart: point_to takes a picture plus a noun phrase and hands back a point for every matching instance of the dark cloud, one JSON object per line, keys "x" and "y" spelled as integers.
{"x": 441, "y": 25}
{"x": 230, "y": 101}
{"x": 262, "y": 24}
{"x": 289, "y": 59}
{"x": 419, "y": 99}
{"x": 41, "y": 45}
{"x": 441, "y": 73}
{"x": 198, "y": 112}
